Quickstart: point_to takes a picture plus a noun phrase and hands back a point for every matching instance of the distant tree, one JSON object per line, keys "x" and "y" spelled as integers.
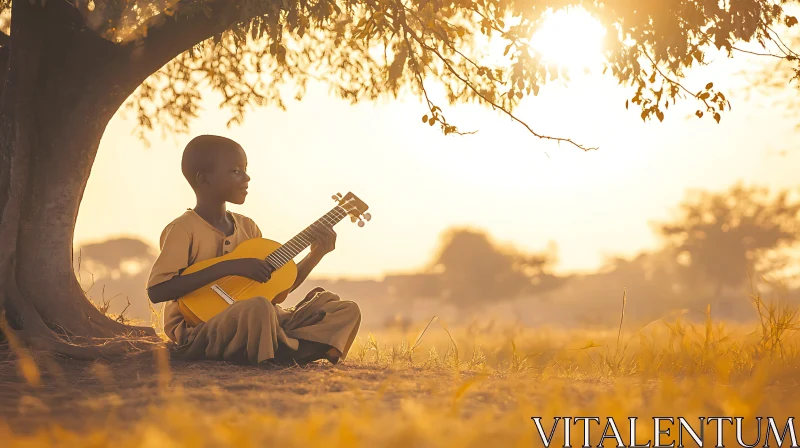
{"x": 718, "y": 237}
{"x": 116, "y": 255}
{"x": 113, "y": 273}
{"x": 475, "y": 271}
{"x": 651, "y": 282}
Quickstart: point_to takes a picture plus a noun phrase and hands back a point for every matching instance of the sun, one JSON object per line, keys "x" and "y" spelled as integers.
{"x": 571, "y": 39}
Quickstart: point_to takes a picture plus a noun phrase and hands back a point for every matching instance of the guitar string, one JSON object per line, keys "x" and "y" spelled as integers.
{"x": 249, "y": 284}
{"x": 332, "y": 221}
{"x": 233, "y": 277}
{"x": 252, "y": 283}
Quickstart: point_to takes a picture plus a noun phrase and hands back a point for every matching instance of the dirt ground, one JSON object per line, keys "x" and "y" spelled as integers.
{"x": 78, "y": 394}
{"x": 378, "y": 399}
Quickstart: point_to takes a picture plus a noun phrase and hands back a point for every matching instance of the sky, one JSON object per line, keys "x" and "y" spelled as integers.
{"x": 418, "y": 183}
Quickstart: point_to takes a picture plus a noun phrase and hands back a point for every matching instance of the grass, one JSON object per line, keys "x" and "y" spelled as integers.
{"x": 439, "y": 386}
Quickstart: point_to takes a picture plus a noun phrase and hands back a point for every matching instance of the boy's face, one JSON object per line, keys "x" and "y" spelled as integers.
{"x": 228, "y": 180}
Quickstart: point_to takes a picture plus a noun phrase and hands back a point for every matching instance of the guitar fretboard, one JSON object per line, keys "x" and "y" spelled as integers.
{"x": 299, "y": 242}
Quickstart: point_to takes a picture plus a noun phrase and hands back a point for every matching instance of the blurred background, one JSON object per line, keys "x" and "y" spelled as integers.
{"x": 677, "y": 215}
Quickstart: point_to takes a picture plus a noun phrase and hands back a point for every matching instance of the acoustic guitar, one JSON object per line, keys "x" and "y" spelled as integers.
{"x": 206, "y": 302}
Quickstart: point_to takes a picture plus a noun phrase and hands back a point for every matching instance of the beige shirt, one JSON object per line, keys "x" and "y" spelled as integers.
{"x": 187, "y": 240}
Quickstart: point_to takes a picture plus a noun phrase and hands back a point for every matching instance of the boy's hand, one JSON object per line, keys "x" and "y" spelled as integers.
{"x": 252, "y": 268}
{"x": 324, "y": 239}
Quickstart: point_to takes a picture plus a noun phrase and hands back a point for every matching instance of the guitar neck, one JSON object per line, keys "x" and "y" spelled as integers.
{"x": 302, "y": 240}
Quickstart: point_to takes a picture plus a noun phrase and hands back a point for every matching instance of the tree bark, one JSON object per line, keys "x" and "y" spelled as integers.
{"x": 61, "y": 86}
{"x": 59, "y": 169}
{"x": 15, "y": 148}
{"x": 51, "y": 122}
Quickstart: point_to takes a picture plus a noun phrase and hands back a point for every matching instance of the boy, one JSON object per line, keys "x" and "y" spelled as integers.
{"x": 255, "y": 330}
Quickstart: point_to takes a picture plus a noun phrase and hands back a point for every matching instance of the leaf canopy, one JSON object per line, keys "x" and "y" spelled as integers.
{"x": 369, "y": 49}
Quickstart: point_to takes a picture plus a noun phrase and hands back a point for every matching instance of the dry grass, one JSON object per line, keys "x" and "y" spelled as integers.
{"x": 440, "y": 386}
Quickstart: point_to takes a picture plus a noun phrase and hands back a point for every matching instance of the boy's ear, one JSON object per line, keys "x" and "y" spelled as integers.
{"x": 200, "y": 178}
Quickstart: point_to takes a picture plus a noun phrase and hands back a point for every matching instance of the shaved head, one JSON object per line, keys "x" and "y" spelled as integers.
{"x": 201, "y": 155}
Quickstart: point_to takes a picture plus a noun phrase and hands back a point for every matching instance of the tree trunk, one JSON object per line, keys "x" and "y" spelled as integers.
{"x": 52, "y": 115}
{"x": 61, "y": 86}
{"x": 59, "y": 170}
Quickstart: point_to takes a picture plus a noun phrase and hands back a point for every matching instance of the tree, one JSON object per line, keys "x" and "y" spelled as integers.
{"x": 650, "y": 282}
{"x": 71, "y": 64}
{"x": 475, "y": 271}
{"x": 722, "y": 237}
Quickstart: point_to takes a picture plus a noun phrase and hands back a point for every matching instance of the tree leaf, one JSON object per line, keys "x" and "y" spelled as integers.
{"x": 717, "y": 117}
{"x": 425, "y": 118}
{"x": 709, "y": 86}
{"x": 660, "y": 115}
{"x": 399, "y": 63}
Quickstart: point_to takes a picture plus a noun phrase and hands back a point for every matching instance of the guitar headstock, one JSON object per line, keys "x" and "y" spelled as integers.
{"x": 355, "y": 207}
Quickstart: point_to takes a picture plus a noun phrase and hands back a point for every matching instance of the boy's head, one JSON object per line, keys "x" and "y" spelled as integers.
{"x": 216, "y": 168}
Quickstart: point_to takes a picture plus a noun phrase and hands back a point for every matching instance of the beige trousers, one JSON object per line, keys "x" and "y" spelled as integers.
{"x": 256, "y": 331}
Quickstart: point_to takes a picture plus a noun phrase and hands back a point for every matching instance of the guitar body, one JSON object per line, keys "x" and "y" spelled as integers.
{"x": 205, "y": 303}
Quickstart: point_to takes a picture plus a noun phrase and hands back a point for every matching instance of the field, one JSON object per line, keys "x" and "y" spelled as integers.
{"x": 473, "y": 385}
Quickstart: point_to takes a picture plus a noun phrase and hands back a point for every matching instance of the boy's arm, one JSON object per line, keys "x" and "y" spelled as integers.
{"x": 324, "y": 242}
{"x": 180, "y": 285}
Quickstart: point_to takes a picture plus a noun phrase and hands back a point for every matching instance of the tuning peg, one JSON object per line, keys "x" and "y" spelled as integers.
{"x": 353, "y": 218}
{"x": 360, "y": 223}
{"x": 367, "y": 216}
{"x": 335, "y": 198}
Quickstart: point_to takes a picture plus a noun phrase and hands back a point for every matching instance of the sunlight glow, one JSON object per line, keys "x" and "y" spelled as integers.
{"x": 572, "y": 39}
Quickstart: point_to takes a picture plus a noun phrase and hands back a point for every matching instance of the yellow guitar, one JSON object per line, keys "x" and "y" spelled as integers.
{"x": 206, "y": 302}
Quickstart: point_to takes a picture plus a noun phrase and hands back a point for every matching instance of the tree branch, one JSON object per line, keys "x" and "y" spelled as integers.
{"x": 464, "y": 79}
{"x": 170, "y": 35}
{"x": 779, "y": 41}
{"x": 496, "y": 106}
{"x": 759, "y": 54}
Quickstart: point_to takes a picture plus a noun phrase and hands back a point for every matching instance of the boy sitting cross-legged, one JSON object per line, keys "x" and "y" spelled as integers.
{"x": 256, "y": 330}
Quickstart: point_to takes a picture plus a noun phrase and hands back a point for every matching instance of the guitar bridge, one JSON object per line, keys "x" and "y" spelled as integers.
{"x": 220, "y": 292}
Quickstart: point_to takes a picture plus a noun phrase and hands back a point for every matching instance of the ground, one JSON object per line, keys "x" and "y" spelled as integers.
{"x": 80, "y": 392}
{"x": 451, "y": 388}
